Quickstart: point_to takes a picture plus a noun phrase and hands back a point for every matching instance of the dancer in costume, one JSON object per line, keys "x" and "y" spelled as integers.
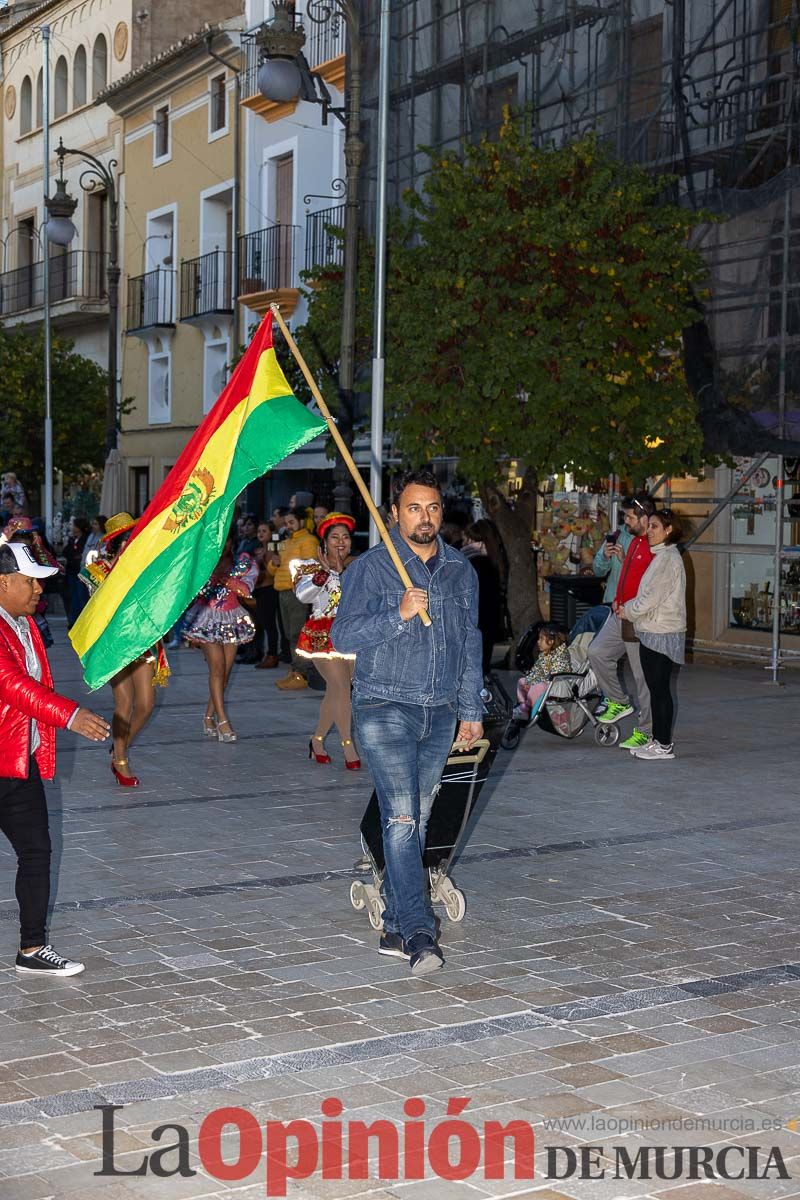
{"x": 133, "y": 686}
{"x": 219, "y": 623}
{"x": 318, "y": 582}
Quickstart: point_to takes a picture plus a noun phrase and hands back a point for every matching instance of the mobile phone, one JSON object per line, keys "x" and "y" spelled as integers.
{"x": 272, "y": 547}
{"x": 612, "y": 537}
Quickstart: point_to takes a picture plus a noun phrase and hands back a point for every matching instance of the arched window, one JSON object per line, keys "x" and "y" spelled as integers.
{"x": 39, "y": 100}
{"x": 99, "y": 65}
{"x": 26, "y": 106}
{"x": 79, "y": 78}
{"x": 61, "y": 88}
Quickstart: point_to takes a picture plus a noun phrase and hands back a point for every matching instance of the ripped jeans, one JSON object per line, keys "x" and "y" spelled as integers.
{"x": 406, "y": 747}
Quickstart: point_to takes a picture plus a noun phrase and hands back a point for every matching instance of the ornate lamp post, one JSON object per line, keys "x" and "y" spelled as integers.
{"x": 284, "y": 75}
{"x": 60, "y": 229}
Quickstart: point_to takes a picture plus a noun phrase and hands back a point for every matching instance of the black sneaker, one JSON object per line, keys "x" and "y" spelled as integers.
{"x": 393, "y": 945}
{"x": 46, "y": 962}
{"x": 424, "y": 953}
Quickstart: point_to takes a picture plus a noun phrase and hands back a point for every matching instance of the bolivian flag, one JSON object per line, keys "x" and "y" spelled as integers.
{"x": 178, "y": 539}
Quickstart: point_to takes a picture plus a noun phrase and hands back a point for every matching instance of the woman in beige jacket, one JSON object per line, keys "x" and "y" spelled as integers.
{"x": 658, "y": 613}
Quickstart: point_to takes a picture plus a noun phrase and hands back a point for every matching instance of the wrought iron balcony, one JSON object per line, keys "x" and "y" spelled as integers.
{"x": 75, "y": 275}
{"x": 151, "y": 301}
{"x": 323, "y": 247}
{"x": 267, "y": 260}
{"x": 207, "y": 285}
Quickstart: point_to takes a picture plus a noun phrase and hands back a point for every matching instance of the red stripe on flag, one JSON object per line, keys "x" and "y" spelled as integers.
{"x": 237, "y": 388}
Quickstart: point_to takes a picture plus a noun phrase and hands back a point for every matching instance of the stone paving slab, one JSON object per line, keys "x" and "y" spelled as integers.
{"x": 628, "y": 974}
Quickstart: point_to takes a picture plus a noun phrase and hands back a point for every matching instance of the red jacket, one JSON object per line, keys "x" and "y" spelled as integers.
{"x": 637, "y": 560}
{"x": 21, "y": 699}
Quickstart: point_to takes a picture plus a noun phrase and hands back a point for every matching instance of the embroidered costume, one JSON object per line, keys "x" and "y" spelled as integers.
{"x": 97, "y": 567}
{"x": 217, "y": 615}
{"x": 322, "y": 589}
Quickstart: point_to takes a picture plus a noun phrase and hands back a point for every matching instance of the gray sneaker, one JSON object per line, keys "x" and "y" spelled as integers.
{"x": 654, "y": 752}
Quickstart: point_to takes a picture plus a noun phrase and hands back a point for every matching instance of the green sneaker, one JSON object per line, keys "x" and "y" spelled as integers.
{"x": 615, "y": 712}
{"x": 635, "y": 741}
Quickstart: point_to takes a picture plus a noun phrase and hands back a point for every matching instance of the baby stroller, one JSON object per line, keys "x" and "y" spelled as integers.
{"x": 569, "y": 703}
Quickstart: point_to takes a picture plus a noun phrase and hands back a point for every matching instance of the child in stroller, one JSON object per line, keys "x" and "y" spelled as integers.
{"x": 553, "y": 658}
{"x": 559, "y": 693}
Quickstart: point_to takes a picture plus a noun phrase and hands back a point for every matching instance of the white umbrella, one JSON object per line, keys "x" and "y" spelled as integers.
{"x": 113, "y": 497}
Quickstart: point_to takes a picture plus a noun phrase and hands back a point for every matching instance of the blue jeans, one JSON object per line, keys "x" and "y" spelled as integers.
{"x": 406, "y": 747}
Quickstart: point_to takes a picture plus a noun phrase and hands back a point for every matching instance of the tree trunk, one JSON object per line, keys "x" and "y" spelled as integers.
{"x": 515, "y": 525}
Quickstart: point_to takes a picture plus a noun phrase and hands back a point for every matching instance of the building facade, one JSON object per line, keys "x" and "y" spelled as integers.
{"x": 179, "y": 121}
{"x": 90, "y": 44}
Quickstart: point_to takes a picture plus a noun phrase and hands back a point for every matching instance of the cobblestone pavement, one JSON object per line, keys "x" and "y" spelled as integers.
{"x": 629, "y": 954}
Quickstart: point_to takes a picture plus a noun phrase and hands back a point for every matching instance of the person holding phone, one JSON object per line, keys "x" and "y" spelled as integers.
{"x": 609, "y": 558}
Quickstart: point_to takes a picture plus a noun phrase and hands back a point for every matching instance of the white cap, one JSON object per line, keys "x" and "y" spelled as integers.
{"x": 27, "y": 564}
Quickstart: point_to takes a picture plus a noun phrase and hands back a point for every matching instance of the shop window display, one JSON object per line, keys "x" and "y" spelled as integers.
{"x": 753, "y": 518}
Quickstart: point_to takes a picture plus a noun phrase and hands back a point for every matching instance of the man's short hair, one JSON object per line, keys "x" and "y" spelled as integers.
{"x": 640, "y": 503}
{"x": 420, "y": 477}
{"x": 8, "y": 564}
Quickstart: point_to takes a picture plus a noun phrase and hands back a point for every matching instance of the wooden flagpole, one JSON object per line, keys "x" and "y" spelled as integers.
{"x": 348, "y": 458}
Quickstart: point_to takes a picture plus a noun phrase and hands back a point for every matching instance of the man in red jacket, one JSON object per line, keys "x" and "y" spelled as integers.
{"x": 610, "y": 645}
{"x": 30, "y": 713}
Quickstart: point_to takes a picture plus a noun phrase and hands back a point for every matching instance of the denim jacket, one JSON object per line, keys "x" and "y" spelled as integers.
{"x": 402, "y": 660}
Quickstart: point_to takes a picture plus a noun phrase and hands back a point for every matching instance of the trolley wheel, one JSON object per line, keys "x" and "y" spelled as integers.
{"x": 511, "y": 736}
{"x": 606, "y": 735}
{"x": 375, "y": 914}
{"x": 456, "y": 905}
{"x": 357, "y": 895}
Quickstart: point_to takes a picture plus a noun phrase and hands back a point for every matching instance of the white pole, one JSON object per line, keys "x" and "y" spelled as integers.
{"x": 48, "y": 408}
{"x": 378, "y": 361}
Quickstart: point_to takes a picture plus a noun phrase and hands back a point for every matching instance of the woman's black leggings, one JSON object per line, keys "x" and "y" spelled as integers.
{"x": 266, "y": 599}
{"x": 657, "y": 670}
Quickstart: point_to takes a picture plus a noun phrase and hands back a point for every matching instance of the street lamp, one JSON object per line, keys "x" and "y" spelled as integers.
{"x": 60, "y": 230}
{"x": 284, "y": 75}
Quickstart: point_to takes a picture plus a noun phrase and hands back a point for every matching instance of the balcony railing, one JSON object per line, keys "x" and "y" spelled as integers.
{"x": 325, "y": 39}
{"x": 207, "y": 285}
{"x": 151, "y": 300}
{"x": 323, "y": 247}
{"x": 267, "y": 259}
{"x": 75, "y": 275}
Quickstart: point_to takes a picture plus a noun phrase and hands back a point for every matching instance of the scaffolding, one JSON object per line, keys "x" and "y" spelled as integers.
{"x": 703, "y": 91}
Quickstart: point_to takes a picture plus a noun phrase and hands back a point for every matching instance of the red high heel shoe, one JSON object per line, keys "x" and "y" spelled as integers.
{"x": 323, "y": 758}
{"x": 123, "y": 780}
{"x": 354, "y": 764}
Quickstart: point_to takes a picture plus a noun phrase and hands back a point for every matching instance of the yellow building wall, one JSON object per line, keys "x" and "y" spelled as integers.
{"x": 196, "y": 164}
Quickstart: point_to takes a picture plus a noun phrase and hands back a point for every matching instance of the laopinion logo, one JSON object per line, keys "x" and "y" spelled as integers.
{"x": 233, "y": 1146}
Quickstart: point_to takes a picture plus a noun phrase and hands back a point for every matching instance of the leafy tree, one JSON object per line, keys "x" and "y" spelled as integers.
{"x": 79, "y": 389}
{"x": 536, "y": 314}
